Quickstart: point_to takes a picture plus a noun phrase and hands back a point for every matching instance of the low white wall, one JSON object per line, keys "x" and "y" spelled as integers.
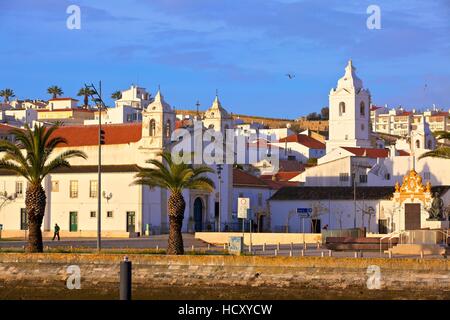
{"x": 259, "y": 238}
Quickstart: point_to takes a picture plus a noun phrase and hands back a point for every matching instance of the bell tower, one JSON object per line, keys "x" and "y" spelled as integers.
{"x": 217, "y": 118}
{"x": 349, "y": 105}
{"x": 158, "y": 123}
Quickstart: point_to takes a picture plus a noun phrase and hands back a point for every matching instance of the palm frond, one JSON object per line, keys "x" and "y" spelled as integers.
{"x": 442, "y": 152}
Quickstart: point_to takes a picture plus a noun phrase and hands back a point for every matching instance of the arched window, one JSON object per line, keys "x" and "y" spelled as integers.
{"x": 211, "y": 126}
{"x": 429, "y": 144}
{"x": 167, "y": 131}
{"x": 341, "y": 108}
{"x": 417, "y": 144}
{"x": 152, "y": 127}
{"x": 362, "y": 108}
{"x": 362, "y": 126}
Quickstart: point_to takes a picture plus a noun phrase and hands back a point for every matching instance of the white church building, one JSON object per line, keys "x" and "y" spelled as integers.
{"x": 127, "y": 209}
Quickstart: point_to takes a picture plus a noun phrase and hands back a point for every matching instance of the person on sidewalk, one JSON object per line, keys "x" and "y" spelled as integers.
{"x": 56, "y": 234}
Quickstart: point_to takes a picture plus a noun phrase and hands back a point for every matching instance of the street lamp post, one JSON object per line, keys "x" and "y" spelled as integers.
{"x": 97, "y": 97}
{"x": 219, "y": 175}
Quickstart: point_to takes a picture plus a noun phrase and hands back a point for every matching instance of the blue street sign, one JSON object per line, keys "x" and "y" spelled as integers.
{"x": 304, "y": 210}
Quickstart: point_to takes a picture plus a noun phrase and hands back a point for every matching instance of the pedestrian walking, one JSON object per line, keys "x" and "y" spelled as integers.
{"x": 56, "y": 233}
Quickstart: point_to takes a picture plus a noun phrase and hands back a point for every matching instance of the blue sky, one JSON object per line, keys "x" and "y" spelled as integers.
{"x": 242, "y": 48}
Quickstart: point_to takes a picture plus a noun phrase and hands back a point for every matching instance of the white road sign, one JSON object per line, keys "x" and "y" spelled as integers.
{"x": 243, "y": 206}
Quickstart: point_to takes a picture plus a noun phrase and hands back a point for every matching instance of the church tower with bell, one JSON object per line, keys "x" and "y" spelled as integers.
{"x": 158, "y": 123}
{"x": 349, "y": 118}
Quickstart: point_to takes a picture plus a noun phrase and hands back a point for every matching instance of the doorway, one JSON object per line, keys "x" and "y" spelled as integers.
{"x": 198, "y": 215}
{"x": 412, "y": 216}
{"x": 131, "y": 221}
{"x": 315, "y": 223}
{"x": 73, "y": 221}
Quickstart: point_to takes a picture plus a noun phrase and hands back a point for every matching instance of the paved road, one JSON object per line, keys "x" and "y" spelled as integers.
{"x": 160, "y": 241}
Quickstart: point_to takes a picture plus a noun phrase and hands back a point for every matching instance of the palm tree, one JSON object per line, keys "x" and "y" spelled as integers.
{"x": 116, "y": 95}
{"x": 175, "y": 177}
{"x": 440, "y": 152}
{"x": 85, "y": 92}
{"x": 55, "y": 91}
{"x": 6, "y": 94}
{"x": 38, "y": 161}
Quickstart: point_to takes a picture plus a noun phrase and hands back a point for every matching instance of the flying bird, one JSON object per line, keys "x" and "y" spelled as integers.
{"x": 290, "y": 76}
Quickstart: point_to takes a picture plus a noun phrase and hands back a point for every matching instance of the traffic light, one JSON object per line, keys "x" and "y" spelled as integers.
{"x": 102, "y": 136}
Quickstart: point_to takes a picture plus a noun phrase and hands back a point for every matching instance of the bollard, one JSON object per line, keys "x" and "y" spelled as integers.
{"x": 290, "y": 253}
{"x": 209, "y": 246}
{"x": 193, "y": 248}
{"x": 125, "y": 279}
{"x": 321, "y": 254}
{"x": 356, "y": 254}
{"x": 421, "y": 254}
{"x": 224, "y": 246}
{"x": 264, "y": 247}
{"x": 318, "y": 245}
{"x": 275, "y": 252}
{"x": 157, "y": 248}
{"x": 304, "y": 245}
{"x": 278, "y": 246}
{"x": 330, "y": 253}
{"x": 292, "y": 246}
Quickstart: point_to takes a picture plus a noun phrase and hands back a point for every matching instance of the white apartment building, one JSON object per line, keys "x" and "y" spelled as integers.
{"x": 135, "y": 97}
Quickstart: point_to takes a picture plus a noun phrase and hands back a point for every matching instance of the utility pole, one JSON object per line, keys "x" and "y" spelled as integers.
{"x": 97, "y": 97}
{"x": 354, "y": 196}
{"x": 219, "y": 176}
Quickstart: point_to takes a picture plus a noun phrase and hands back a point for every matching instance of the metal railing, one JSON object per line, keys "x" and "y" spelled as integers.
{"x": 390, "y": 236}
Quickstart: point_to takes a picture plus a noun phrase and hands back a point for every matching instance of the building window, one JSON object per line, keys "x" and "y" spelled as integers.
{"x": 363, "y": 178}
{"x": 341, "y": 108}
{"x": 362, "y": 126}
{"x": 417, "y": 144}
{"x": 362, "y": 109}
{"x": 73, "y": 189}
{"x": 429, "y": 144}
{"x": 55, "y": 186}
{"x": 152, "y": 127}
{"x": 383, "y": 226}
{"x": 346, "y": 137}
{"x": 387, "y": 176}
{"x": 93, "y": 189}
{"x": 23, "y": 219}
{"x": 260, "y": 199}
{"x": 343, "y": 176}
{"x": 427, "y": 175}
{"x": 168, "y": 124}
{"x": 19, "y": 189}
{"x": 93, "y": 214}
{"x": 109, "y": 214}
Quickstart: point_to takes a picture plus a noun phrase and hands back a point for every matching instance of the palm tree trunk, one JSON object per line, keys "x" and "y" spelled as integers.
{"x": 176, "y": 215}
{"x": 35, "y": 201}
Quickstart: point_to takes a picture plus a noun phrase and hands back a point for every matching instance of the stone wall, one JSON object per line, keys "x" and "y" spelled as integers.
{"x": 300, "y": 276}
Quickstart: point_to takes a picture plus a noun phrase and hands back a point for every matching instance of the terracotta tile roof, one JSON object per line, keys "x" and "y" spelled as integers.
{"x": 117, "y": 168}
{"x": 305, "y": 140}
{"x": 290, "y": 166}
{"x": 4, "y": 128}
{"x": 281, "y": 176}
{"x": 67, "y": 109}
{"x": 61, "y": 99}
{"x": 245, "y": 179}
{"x": 368, "y": 152}
{"x": 87, "y": 135}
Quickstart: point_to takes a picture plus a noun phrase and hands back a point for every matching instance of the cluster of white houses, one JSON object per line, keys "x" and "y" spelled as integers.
{"x": 358, "y": 180}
